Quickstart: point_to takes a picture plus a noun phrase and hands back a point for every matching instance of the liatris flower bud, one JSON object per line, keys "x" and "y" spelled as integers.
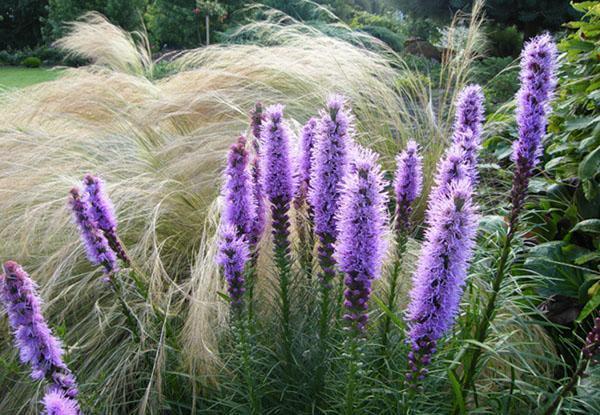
{"x": 408, "y": 184}
{"x": 441, "y": 271}
{"x": 256, "y": 119}
{"x": 591, "y": 349}
{"x": 239, "y": 201}
{"x": 361, "y": 246}
{"x": 307, "y": 140}
{"x": 233, "y": 255}
{"x": 468, "y": 126}
{"x": 56, "y": 403}
{"x": 102, "y": 212}
{"x": 538, "y": 80}
{"x": 37, "y": 346}
{"x": 97, "y": 247}
{"x": 329, "y": 166}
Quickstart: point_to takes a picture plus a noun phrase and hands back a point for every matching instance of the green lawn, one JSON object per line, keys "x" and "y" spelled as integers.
{"x": 17, "y": 77}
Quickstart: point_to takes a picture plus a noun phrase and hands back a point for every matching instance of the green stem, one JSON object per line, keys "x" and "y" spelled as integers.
{"x": 283, "y": 265}
{"x": 352, "y": 372}
{"x": 482, "y": 329}
{"x": 249, "y": 375}
{"x": 131, "y": 320}
{"x": 568, "y": 387}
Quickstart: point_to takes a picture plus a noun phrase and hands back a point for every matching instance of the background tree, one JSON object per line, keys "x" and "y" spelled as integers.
{"x": 20, "y": 24}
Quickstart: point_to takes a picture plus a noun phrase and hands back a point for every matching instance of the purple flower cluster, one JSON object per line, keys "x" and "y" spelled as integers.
{"x": 408, "y": 183}
{"x": 441, "y": 271}
{"x": 591, "y": 348}
{"x": 34, "y": 339}
{"x": 97, "y": 247}
{"x": 361, "y": 246}
{"x": 240, "y": 207}
{"x": 232, "y": 257}
{"x": 538, "y": 80}
{"x": 307, "y": 140}
{"x": 56, "y": 403}
{"x": 468, "y": 126}
{"x": 451, "y": 168}
{"x": 102, "y": 212}
{"x": 256, "y": 119}
{"x": 330, "y": 163}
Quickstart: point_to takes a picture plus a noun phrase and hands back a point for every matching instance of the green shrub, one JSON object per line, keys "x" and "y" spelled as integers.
{"x": 498, "y": 77}
{"x": 504, "y": 41}
{"x": 393, "y": 40}
{"x": 32, "y": 62}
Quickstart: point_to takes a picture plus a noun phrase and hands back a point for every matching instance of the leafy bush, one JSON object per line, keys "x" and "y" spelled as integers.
{"x": 499, "y": 78}
{"x": 392, "y": 39}
{"x": 32, "y": 62}
{"x": 504, "y": 41}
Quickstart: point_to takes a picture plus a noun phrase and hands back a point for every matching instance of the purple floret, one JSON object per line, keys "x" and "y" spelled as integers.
{"x": 441, "y": 270}
{"x": 408, "y": 183}
{"x": 56, "y": 403}
{"x": 96, "y": 245}
{"x": 36, "y": 344}
{"x": 102, "y": 212}
{"x": 240, "y": 207}
{"x": 232, "y": 257}
{"x": 361, "y": 246}
{"x": 468, "y": 126}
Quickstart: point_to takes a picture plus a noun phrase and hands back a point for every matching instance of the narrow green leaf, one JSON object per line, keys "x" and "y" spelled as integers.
{"x": 393, "y": 317}
{"x": 458, "y": 396}
{"x": 590, "y": 306}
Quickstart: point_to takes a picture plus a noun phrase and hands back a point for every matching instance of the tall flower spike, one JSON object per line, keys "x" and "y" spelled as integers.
{"x": 278, "y": 185}
{"x": 102, "y": 212}
{"x": 468, "y": 125}
{"x": 239, "y": 200}
{"x": 329, "y": 166}
{"x": 256, "y": 119}
{"x": 451, "y": 168}
{"x": 538, "y": 80}
{"x": 56, "y": 403}
{"x": 307, "y": 140}
{"x": 441, "y": 271}
{"x": 233, "y": 255}
{"x": 37, "y": 346}
{"x": 408, "y": 183}
{"x": 361, "y": 245}
{"x": 97, "y": 247}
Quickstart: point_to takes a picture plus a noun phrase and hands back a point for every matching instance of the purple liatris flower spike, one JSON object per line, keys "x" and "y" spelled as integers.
{"x": 37, "y": 345}
{"x": 239, "y": 200}
{"x": 232, "y": 257}
{"x": 102, "y": 212}
{"x": 258, "y": 225}
{"x": 97, "y": 247}
{"x": 441, "y": 272}
{"x": 451, "y": 168}
{"x": 329, "y": 166}
{"x": 408, "y": 183}
{"x": 56, "y": 403}
{"x": 361, "y": 246}
{"x": 538, "y": 80}
{"x": 277, "y": 165}
{"x": 468, "y": 125}
{"x": 256, "y": 119}
{"x": 307, "y": 140}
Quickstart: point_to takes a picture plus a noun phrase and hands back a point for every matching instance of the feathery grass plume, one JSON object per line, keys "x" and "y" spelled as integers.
{"x": 56, "y": 403}
{"x": 361, "y": 246}
{"x": 408, "y": 183}
{"x": 468, "y": 125}
{"x": 232, "y": 257}
{"x": 538, "y": 81}
{"x": 441, "y": 272}
{"x": 240, "y": 207}
{"x": 96, "y": 245}
{"x": 102, "y": 212}
{"x": 307, "y": 140}
{"x": 279, "y": 188}
{"x": 36, "y": 344}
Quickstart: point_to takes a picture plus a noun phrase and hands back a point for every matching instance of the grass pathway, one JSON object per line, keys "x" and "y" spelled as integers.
{"x": 18, "y": 77}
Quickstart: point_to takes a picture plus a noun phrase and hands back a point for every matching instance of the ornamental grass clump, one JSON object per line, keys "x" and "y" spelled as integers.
{"x": 37, "y": 346}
